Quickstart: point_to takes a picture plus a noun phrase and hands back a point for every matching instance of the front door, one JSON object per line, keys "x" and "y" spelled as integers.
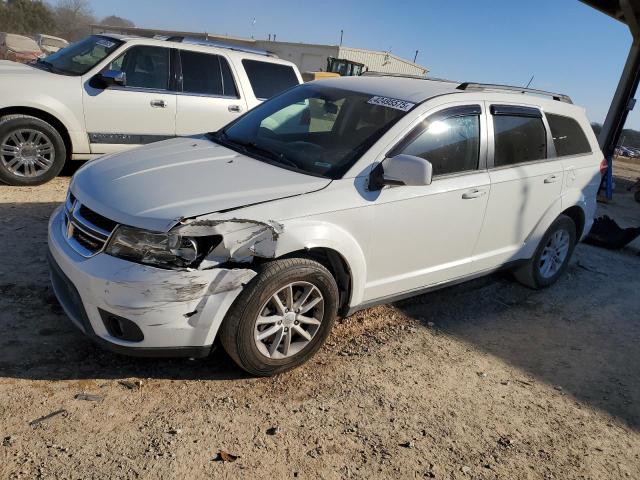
{"x": 139, "y": 112}
{"x": 526, "y": 179}
{"x": 425, "y": 235}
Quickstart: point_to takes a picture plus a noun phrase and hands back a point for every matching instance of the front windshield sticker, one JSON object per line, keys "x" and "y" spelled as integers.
{"x": 392, "y": 103}
{"x": 105, "y": 43}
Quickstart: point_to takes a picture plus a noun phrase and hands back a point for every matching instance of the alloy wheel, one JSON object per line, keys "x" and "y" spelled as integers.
{"x": 27, "y": 152}
{"x": 289, "y": 320}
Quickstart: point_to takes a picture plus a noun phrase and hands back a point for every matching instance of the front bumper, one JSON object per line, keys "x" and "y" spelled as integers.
{"x": 178, "y": 312}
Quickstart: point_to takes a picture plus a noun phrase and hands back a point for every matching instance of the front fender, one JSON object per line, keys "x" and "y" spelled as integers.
{"x": 308, "y": 234}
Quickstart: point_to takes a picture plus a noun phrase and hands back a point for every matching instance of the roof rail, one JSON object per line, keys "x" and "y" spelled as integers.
{"x": 213, "y": 43}
{"x": 370, "y": 73}
{"x": 510, "y": 88}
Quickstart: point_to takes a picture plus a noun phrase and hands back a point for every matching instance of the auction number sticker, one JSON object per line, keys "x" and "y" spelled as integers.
{"x": 391, "y": 103}
{"x": 105, "y": 43}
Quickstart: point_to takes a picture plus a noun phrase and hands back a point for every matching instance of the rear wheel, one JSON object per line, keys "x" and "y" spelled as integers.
{"x": 552, "y": 255}
{"x": 32, "y": 152}
{"x": 282, "y": 317}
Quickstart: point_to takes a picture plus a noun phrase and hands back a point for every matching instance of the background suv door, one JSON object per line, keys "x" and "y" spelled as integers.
{"x": 425, "y": 235}
{"x": 142, "y": 111}
{"x": 209, "y": 95}
{"x": 526, "y": 180}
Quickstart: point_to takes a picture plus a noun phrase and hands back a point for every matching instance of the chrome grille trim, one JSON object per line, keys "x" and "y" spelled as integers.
{"x": 75, "y": 226}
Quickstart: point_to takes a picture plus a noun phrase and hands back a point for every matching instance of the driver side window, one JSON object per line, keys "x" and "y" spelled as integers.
{"x": 450, "y": 143}
{"x": 145, "y": 67}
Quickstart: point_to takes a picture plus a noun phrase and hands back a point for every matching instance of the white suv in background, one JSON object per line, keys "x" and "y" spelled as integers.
{"x": 108, "y": 93}
{"x": 328, "y": 198}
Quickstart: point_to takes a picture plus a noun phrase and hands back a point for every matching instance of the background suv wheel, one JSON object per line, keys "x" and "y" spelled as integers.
{"x": 552, "y": 255}
{"x": 32, "y": 152}
{"x": 282, "y": 317}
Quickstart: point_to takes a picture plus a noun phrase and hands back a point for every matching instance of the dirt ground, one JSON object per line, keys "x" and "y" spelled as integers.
{"x": 482, "y": 380}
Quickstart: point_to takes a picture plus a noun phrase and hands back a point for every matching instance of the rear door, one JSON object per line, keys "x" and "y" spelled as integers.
{"x": 209, "y": 96}
{"x": 526, "y": 180}
{"x": 140, "y": 112}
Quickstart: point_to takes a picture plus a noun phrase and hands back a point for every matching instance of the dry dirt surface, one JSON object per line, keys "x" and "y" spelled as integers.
{"x": 483, "y": 380}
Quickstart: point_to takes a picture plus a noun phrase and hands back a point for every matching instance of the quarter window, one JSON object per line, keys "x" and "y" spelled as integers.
{"x": 269, "y": 79}
{"x": 452, "y": 144}
{"x": 568, "y": 136}
{"x": 145, "y": 67}
{"x": 206, "y": 74}
{"x": 519, "y": 138}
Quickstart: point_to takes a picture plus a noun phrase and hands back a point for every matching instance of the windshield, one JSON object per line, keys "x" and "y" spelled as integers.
{"x": 78, "y": 58}
{"x": 314, "y": 129}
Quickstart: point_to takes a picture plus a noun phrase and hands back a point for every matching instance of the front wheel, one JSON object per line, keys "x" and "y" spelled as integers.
{"x": 552, "y": 255}
{"x": 32, "y": 152}
{"x": 282, "y": 317}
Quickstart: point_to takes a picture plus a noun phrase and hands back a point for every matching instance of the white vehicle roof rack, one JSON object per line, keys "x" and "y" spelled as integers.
{"x": 510, "y": 88}
{"x": 212, "y": 43}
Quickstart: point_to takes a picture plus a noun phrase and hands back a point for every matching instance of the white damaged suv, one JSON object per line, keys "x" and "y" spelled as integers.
{"x": 331, "y": 197}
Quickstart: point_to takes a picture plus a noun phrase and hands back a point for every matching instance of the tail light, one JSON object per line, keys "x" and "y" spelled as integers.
{"x": 603, "y": 166}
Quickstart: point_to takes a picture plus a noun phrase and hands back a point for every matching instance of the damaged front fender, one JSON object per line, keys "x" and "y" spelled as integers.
{"x": 242, "y": 239}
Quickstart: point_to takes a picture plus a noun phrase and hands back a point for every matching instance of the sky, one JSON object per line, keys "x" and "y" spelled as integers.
{"x": 567, "y": 46}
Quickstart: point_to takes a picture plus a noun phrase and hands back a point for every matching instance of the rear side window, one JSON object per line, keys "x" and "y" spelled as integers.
{"x": 519, "y": 135}
{"x": 568, "y": 136}
{"x": 452, "y": 144}
{"x": 206, "y": 74}
{"x": 269, "y": 79}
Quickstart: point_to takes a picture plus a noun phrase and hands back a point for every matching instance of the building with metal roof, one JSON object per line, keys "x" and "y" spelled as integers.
{"x": 309, "y": 57}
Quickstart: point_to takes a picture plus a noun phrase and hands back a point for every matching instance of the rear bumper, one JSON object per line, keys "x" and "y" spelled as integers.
{"x": 177, "y": 313}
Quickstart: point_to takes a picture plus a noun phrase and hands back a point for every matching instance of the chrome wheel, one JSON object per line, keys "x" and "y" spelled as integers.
{"x": 554, "y": 253}
{"x": 27, "y": 152}
{"x": 289, "y": 320}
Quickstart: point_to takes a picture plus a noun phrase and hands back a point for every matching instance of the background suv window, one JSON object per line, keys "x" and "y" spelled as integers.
{"x": 568, "y": 136}
{"x": 269, "y": 79}
{"x": 452, "y": 145}
{"x": 145, "y": 67}
{"x": 206, "y": 74}
{"x": 518, "y": 139}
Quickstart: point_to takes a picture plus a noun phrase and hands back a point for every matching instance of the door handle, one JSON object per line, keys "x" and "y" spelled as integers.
{"x": 158, "y": 103}
{"x": 234, "y": 108}
{"x": 475, "y": 193}
{"x": 551, "y": 179}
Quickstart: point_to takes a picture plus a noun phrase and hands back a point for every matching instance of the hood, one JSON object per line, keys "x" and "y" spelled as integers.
{"x": 153, "y": 187}
{"x": 8, "y": 67}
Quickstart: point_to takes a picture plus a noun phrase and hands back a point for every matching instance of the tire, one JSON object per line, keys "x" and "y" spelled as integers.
{"x": 533, "y": 273}
{"x": 241, "y": 327}
{"x": 636, "y": 196}
{"x": 39, "y": 146}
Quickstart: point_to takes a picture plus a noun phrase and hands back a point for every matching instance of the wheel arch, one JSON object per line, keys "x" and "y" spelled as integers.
{"x": 577, "y": 214}
{"x": 47, "y": 117}
{"x": 333, "y": 247}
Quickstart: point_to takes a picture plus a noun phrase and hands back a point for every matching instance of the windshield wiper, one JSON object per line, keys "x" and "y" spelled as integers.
{"x": 45, "y": 64}
{"x": 279, "y": 157}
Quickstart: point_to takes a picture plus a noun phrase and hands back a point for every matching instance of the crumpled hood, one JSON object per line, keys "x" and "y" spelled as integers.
{"x": 154, "y": 186}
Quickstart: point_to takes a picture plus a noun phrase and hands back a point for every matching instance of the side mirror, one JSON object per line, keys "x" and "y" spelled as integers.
{"x": 402, "y": 170}
{"x": 109, "y": 78}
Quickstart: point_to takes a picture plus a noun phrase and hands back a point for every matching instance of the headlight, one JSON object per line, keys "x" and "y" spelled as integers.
{"x": 167, "y": 250}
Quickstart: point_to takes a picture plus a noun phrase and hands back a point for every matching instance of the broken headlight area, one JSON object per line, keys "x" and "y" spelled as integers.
{"x": 164, "y": 250}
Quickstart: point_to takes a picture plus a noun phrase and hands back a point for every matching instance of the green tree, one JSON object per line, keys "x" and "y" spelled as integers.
{"x": 26, "y": 17}
{"x": 116, "y": 21}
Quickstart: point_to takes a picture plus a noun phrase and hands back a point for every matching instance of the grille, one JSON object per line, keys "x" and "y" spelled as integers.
{"x": 86, "y": 231}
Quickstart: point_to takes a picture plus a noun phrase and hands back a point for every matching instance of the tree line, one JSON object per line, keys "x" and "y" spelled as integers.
{"x": 629, "y": 138}
{"x": 69, "y": 19}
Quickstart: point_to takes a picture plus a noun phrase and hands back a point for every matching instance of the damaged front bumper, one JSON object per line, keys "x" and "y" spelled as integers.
{"x": 172, "y": 312}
